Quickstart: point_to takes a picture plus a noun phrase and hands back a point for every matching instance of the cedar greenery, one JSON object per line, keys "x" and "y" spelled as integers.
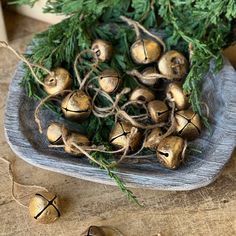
{"x": 205, "y": 24}
{"x": 106, "y": 165}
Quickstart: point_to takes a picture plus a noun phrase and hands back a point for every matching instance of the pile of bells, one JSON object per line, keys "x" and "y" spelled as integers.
{"x": 166, "y": 69}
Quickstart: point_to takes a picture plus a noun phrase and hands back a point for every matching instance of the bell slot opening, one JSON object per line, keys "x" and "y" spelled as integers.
{"x": 160, "y": 113}
{"x": 144, "y": 50}
{"x": 181, "y": 131}
{"x": 141, "y": 98}
{"x": 164, "y": 153}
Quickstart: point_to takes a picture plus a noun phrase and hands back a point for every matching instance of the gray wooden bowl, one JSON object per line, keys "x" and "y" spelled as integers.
{"x": 200, "y": 170}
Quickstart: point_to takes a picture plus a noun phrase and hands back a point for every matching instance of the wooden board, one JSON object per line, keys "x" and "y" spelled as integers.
{"x": 206, "y": 211}
{"x": 198, "y": 171}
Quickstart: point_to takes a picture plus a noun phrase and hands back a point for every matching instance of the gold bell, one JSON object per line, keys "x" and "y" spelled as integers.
{"x": 158, "y": 111}
{"x": 148, "y": 78}
{"x": 102, "y": 231}
{"x": 76, "y": 105}
{"x": 78, "y": 139}
{"x": 142, "y": 94}
{"x": 103, "y": 49}
{"x": 175, "y": 93}
{"x": 109, "y": 80}
{"x": 44, "y": 207}
{"x": 173, "y": 65}
{"x": 153, "y": 138}
{"x": 145, "y": 51}
{"x": 188, "y": 124}
{"x": 120, "y": 135}
{"x": 95, "y": 231}
{"x": 54, "y": 133}
{"x": 170, "y": 151}
{"x": 59, "y": 81}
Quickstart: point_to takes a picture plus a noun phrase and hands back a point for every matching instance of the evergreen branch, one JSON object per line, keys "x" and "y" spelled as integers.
{"x": 53, "y": 48}
{"x": 206, "y": 29}
{"x": 123, "y": 188}
{"x": 68, "y": 7}
{"x": 103, "y": 164}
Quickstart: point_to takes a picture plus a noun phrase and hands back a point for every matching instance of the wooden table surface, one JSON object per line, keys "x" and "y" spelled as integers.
{"x": 206, "y": 211}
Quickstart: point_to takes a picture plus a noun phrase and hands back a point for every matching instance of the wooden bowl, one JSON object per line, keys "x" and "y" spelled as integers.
{"x": 199, "y": 170}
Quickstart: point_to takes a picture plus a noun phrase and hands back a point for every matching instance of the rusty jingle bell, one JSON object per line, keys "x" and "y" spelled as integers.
{"x": 145, "y": 51}
{"x": 102, "y": 231}
{"x": 169, "y": 151}
{"x": 142, "y": 94}
{"x": 173, "y": 65}
{"x": 153, "y": 138}
{"x": 59, "y": 81}
{"x": 109, "y": 80}
{"x": 103, "y": 49}
{"x": 148, "y": 76}
{"x": 76, "y": 105}
{"x": 54, "y": 133}
{"x": 120, "y": 135}
{"x": 158, "y": 111}
{"x": 175, "y": 93}
{"x": 44, "y": 207}
{"x": 95, "y": 231}
{"x": 188, "y": 124}
{"x": 79, "y": 140}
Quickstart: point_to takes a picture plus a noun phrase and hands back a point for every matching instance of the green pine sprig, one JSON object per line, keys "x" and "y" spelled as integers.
{"x": 205, "y": 25}
{"x": 99, "y": 160}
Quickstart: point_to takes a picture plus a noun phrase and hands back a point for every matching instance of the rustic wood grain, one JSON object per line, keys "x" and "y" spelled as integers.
{"x": 206, "y": 211}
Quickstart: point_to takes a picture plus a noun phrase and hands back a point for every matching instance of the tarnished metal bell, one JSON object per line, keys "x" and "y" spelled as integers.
{"x": 149, "y": 79}
{"x": 101, "y": 231}
{"x": 153, "y": 138}
{"x": 175, "y": 93}
{"x": 173, "y": 64}
{"x": 95, "y": 231}
{"x": 170, "y": 151}
{"x": 103, "y": 49}
{"x": 120, "y": 135}
{"x": 76, "y": 105}
{"x": 188, "y": 124}
{"x": 54, "y": 133}
{"x": 145, "y": 51}
{"x": 109, "y": 80}
{"x": 59, "y": 81}
{"x": 142, "y": 94}
{"x": 158, "y": 111}
{"x": 44, "y": 207}
{"x": 78, "y": 139}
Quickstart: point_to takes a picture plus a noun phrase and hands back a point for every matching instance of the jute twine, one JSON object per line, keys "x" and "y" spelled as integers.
{"x": 14, "y": 182}
{"x": 139, "y": 28}
{"x": 4, "y": 44}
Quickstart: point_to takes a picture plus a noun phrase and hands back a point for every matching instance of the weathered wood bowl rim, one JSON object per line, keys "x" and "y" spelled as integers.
{"x": 195, "y": 174}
